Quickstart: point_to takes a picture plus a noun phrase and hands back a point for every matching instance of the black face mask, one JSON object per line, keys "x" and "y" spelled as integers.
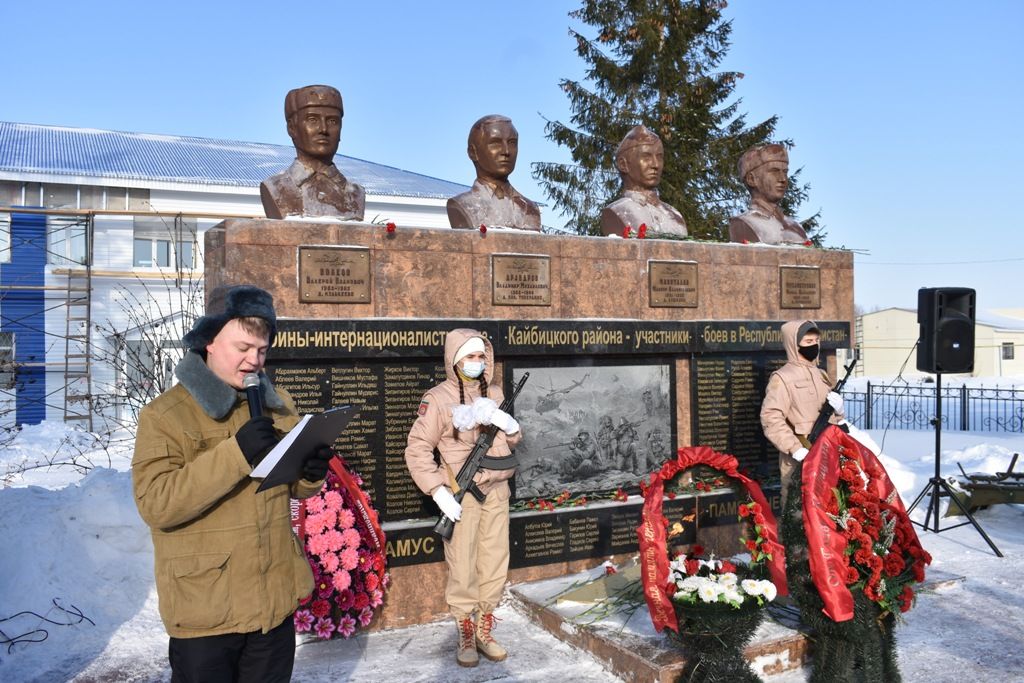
{"x": 808, "y": 352}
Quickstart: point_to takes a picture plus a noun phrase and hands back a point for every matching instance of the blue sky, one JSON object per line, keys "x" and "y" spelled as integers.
{"x": 905, "y": 116}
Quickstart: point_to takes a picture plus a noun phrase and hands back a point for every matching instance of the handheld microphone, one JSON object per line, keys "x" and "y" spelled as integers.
{"x": 252, "y": 393}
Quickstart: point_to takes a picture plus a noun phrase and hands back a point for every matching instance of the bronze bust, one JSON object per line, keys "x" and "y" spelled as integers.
{"x": 493, "y": 147}
{"x": 640, "y": 160}
{"x": 765, "y": 172}
{"x": 313, "y": 185}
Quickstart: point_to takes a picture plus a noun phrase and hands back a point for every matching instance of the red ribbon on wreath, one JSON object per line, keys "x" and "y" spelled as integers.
{"x": 652, "y": 536}
{"x": 361, "y": 508}
{"x": 820, "y": 476}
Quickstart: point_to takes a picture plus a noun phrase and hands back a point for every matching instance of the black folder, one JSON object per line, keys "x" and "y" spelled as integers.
{"x": 286, "y": 459}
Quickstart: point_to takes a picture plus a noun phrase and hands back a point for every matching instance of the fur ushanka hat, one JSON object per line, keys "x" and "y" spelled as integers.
{"x": 228, "y": 303}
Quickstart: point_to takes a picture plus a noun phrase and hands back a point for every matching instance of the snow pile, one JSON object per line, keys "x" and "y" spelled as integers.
{"x": 79, "y": 540}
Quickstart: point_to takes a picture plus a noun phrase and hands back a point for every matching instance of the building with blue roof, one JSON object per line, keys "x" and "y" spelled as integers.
{"x": 99, "y": 276}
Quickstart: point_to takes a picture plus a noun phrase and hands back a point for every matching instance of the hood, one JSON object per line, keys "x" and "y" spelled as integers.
{"x": 790, "y": 341}
{"x": 454, "y": 340}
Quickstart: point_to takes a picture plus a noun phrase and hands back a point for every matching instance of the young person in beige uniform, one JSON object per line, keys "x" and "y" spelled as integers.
{"x": 449, "y": 419}
{"x": 794, "y": 397}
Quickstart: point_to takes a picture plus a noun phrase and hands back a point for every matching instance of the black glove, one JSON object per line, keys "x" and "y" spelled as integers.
{"x": 256, "y": 438}
{"x": 315, "y": 466}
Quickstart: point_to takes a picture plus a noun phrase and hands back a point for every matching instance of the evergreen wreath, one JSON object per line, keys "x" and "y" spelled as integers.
{"x": 875, "y": 552}
{"x": 715, "y": 606}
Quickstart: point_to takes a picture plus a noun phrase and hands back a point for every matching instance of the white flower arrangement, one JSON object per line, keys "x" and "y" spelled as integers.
{"x": 716, "y": 581}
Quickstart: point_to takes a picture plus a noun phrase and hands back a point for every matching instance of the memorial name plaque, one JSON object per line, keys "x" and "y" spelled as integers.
{"x": 727, "y": 393}
{"x": 374, "y": 443}
{"x": 799, "y": 287}
{"x": 520, "y": 280}
{"x": 337, "y": 275}
{"x": 672, "y": 284}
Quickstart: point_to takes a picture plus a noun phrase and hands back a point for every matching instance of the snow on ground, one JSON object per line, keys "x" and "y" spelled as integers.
{"x": 78, "y": 540}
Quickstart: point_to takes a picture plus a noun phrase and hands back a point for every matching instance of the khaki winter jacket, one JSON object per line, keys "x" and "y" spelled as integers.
{"x": 794, "y": 396}
{"x": 225, "y": 557}
{"x": 433, "y": 426}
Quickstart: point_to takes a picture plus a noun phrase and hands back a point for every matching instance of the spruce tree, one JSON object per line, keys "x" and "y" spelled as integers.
{"x": 653, "y": 62}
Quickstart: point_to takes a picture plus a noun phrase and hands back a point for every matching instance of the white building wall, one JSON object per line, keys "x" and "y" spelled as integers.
{"x": 124, "y": 296}
{"x": 890, "y": 334}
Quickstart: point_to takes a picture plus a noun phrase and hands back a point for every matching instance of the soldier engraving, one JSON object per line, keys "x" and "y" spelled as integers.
{"x": 640, "y": 159}
{"x": 765, "y": 172}
{"x": 493, "y": 147}
{"x": 313, "y": 185}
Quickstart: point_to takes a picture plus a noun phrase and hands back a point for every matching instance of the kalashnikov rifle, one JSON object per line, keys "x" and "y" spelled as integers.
{"x": 827, "y": 411}
{"x": 464, "y": 480}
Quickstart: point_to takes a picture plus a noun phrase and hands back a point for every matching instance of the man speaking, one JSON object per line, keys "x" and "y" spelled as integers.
{"x": 229, "y": 570}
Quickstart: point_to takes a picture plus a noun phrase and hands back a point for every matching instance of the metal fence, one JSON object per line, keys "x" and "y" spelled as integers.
{"x": 964, "y": 408}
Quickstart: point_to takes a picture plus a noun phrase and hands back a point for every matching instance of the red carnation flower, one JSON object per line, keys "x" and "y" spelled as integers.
{"x": 728, "y": 566}
{"x": 692, "y": 566}
{"x": 641, "y": 232}
{"x": 390, "y": 227}
{"x": 627, "y": 232}
{"x": 483, "y": 229}
{"x": 852, "y": 575}
{"x": 697, "y": 550}
{"x": 808, "y": 243}
{"x": 320, "y": 608}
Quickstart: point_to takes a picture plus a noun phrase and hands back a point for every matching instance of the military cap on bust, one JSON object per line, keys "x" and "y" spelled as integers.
{"x": 759, "y": 156}
{"x": 639, "y": 135}
{"x": 312, "y": 96}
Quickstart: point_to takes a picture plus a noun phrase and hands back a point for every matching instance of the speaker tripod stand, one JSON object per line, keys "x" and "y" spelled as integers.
{"x": 937, "y": 486}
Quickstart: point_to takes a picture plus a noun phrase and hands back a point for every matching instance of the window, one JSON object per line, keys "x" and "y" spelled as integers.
{"x": 148, "y": 368}
{"x": 6, "y": 360}
{"x": 60, "y": 196}
{"x": 1007, "y": 350}
{"x": 162, "y": 242}
{"x": 67, "y": 239}
{"x": 10, "y": 193}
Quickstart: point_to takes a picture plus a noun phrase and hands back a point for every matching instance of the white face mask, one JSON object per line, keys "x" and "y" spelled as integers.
{"x": 473, "y": 368}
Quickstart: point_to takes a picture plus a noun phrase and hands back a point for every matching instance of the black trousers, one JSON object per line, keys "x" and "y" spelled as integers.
{"x": 235, "y": 657}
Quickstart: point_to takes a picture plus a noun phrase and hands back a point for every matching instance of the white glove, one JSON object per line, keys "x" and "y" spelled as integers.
{"x": 799, "y": 454}
{"x": 836, "y": 401}
{"x": 464, "y": 417}
{"x": 483, "y": 408}
{"x": 864, "y": 439}
{"x": 504, "y": 421}
{"x": 446, "y": 501}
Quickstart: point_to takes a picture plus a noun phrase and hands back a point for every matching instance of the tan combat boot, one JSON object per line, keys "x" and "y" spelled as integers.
{"x": 486, "y": 643}
{"x": 466, "y": 654}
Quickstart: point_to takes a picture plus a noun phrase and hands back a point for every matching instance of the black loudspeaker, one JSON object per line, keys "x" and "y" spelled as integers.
{"x": 946, "y": 317}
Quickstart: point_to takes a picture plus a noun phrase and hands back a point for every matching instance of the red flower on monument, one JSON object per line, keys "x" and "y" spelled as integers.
{"x": 808, "y": 243}
{"x": 390, "y": 227}
{"x": 641, "y": 232}
{"x": 483, "y": 229}
{"x": 627, "y": 232}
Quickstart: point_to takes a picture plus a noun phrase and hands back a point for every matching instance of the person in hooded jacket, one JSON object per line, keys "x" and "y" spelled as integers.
{"x": 229, "y": 570}
{"x": 795, "y": 395}
{"x": 449, "y": 419}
